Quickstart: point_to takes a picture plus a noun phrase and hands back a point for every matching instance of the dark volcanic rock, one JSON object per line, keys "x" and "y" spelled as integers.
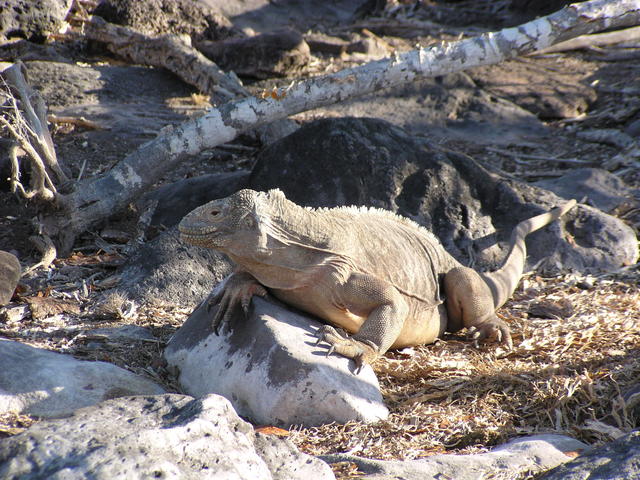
{"x": 618, "y": 460}
{"x": 158, "y": 17}
{"x": 602, "y": 189}
{"x": 32, "y": 20}
{"x": 279, "y": 53}
{"x": 371, "y": 162}
{"x": 165, "y": 271}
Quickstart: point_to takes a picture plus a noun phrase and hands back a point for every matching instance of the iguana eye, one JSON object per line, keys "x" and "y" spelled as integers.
{"x": 215, "y": 212}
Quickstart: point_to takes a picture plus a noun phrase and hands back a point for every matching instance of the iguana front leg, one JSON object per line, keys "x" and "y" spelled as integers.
{"x": 239, "y": 287}
{"x": 385, "y": 310}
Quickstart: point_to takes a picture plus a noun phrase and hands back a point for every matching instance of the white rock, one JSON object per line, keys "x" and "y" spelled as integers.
{"x": 162, "y": 436}
{"x": 270, "y": 369}
{"x": 48, "y": 384}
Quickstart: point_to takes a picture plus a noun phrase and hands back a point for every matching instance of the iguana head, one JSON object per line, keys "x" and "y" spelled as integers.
{"x": 236, "y": 224}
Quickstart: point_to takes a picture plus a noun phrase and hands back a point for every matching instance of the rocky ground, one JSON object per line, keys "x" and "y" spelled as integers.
{"x": 540, "y": 119}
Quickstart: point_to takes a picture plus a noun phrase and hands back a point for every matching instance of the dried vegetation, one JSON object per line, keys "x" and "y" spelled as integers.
{"x": 576, "y": 352}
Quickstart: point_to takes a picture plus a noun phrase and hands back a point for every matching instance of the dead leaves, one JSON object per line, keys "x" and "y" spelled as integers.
{"x": 271, "y": 430}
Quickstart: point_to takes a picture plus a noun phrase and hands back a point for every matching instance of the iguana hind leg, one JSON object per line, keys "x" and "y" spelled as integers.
{"x": 470, "y": 304}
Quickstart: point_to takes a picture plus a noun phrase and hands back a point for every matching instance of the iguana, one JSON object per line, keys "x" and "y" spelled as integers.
{"x": 370, "y": 272}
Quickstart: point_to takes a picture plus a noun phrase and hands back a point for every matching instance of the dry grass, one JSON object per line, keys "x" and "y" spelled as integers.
{"x": 566, "y": 374}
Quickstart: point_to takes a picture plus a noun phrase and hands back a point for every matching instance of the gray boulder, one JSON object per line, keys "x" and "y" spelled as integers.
{"x": 505, "y": 462}
{"x": 618, "y": 460}
{"x": 270, "y": 369}
{"x": 164, "y": 436}
{"x": 10, "y": 272}
{"x": 364, "y": 161}
{"x": 47, "y": 384}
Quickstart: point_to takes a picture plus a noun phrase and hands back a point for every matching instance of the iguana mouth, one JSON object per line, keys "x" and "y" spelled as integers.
{"x": 205, "y": 237}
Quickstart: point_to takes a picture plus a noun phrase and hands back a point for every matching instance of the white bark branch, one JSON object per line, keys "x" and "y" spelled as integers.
{"x": 96, "y": 199}
{"x": 596, "y": 40}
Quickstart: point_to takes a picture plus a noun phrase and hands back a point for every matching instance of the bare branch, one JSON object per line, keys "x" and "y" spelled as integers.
{"x": 34, "y": 111}
{"x": 42, "y": 185}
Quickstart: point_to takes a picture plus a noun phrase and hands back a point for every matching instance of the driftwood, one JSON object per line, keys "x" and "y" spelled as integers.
{"x": 172, "y": 52}
{"x": 96, "y": 199}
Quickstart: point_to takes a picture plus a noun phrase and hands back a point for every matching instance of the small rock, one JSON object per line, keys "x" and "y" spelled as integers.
{"x": 47, "y": 384}
{"x": 270, "y": 369}
{"x": 130, "y": 333}
{"x": 323, "y": 43}
{"x": 163, "y": 436}
{"x": 278, "y": 53}
{"x": 10, "y": 272}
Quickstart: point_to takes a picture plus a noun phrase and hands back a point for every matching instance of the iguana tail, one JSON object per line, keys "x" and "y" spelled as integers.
{"x": 504, "y": 281}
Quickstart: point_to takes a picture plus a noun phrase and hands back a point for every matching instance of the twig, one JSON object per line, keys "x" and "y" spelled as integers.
{"x": 539, "y": 157}
{"x": 41, "y": 179}
{"x": 35, "y": 113}
{"x": 79, "y": 121}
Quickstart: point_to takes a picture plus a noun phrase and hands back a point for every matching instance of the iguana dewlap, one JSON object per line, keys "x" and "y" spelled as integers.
{"x": 368, "y": 271}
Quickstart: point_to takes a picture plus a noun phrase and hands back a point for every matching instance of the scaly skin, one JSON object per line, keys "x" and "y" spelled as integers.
{"x": 369, "y": 272}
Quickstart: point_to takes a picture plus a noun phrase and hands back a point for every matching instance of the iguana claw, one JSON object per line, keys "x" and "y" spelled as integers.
{"x": 239, "y": 288}
{"x": 494, "y": 327}
{"x": 339, "y": 342}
